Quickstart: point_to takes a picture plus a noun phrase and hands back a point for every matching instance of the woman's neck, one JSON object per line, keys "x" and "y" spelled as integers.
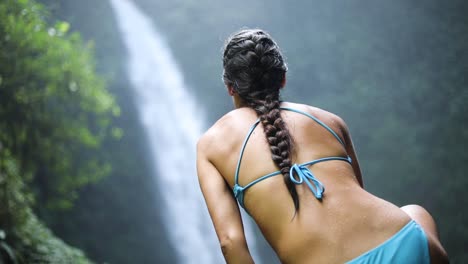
{"x": 237, "y": 101}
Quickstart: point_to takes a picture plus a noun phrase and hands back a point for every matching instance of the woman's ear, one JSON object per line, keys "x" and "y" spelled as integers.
{"x": 231, "y": 90}
{"x": 283, "y": 82}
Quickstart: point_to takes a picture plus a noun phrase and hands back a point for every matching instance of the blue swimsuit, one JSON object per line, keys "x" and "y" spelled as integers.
{"x": 409, "y": 245}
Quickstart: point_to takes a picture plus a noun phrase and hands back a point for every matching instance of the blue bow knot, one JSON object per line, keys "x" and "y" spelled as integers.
{"x": 300, "y": 173}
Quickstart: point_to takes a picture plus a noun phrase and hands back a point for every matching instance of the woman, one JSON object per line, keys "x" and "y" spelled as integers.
{"x": 277, "y": 158}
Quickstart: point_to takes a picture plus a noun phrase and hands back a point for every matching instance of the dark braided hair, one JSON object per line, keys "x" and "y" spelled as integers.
{"x": 254, "y": 67}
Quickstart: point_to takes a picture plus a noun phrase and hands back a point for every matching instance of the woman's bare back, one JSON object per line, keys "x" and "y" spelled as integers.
{"x": 347, "y": 222}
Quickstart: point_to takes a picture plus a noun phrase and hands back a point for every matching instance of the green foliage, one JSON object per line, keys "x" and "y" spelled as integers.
{"x": 31, "y": 240}
{"x": 55, "y": 110}
{"x": 55, "y": 113}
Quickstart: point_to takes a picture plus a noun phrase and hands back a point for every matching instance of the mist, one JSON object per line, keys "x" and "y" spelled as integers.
{"x": 395, "y": 71}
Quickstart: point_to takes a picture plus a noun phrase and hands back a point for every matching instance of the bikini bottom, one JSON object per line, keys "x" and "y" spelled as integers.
{"x": 409, "y": 245}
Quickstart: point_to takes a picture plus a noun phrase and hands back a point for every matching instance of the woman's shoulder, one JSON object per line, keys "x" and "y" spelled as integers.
{"x": 227, "y": 122}
{"x": 323, "y": 115}
{"x": 226, "y": 128}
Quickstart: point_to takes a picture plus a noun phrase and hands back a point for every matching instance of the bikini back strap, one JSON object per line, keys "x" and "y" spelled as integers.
{"x": 316, "y": 120}
{"x": 252, "y": 128}
{"x": 298, "y": 174}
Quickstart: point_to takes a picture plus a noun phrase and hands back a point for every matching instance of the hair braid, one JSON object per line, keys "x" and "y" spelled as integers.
{"x": 255, "y": 68}
{"x": 279, "y": 139}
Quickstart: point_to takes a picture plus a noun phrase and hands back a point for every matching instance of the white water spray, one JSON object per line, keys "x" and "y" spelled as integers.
{"x": 173, "y": 124}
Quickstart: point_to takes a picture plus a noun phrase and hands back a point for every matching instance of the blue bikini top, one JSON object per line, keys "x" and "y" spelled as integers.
{"x": 298, "y": 173}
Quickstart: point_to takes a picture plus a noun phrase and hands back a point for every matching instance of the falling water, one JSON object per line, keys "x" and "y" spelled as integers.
{"x": 173, "y": 123}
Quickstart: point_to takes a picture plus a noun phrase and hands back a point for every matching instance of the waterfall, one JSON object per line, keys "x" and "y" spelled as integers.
{"x": 173, "y": 123}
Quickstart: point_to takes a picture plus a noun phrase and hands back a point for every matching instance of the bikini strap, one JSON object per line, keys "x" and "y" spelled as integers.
{"x": 298, "y": 172}
{"x": 316, "y": 120}
{"x": 291, "y": 172}
{"x": 252, "y": 128}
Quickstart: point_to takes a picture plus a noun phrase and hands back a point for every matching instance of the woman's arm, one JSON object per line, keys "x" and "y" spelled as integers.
{"x": 223, "y": 209}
